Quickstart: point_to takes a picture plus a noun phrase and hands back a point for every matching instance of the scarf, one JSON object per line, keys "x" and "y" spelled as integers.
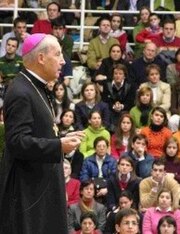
{"x": 86, "y": 206}
{"x": 156, "y": 128}
{"x": 145, "y": 110}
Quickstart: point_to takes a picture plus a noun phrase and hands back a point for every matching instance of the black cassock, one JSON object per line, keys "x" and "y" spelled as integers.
{"x": 32, "y": 189}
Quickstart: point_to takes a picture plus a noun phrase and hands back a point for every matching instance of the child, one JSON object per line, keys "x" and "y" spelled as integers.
{"x": 141, "y": 111}
{"x": 120, "y": 141}
{"x": 151, "y": 32}
{"x": 94, "y": 130}
{"x": 172, "y": 162}
{"x": 138, "y": 153}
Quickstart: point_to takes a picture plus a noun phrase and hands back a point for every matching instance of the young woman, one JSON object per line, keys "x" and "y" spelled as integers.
{"x": 90, "y": 102}
{"x": 141, "y": 111}
{"x": 119, "y": 94}
{"x": 94, "y": 130}
{"x": 75, "y": 158}
{"x": 167, "y": 225}
{"x": 170, "y": 157}
{"x": 121, "y": 139}
{"x": 164, "y": 207}
{"x": 161, "y": 90}
{"x": 117, "y": 31}
{"x": 86, "y": 203}
{"x": 61, "y": 101}
{"x": 105, "y": 71}
{"x": 143, "y": 23}
{"x": 125, "y": 179}
{"x": 157, "y": 132}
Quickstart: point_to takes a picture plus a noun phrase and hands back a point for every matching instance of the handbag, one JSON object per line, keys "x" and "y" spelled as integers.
{"x": 100, "y": 183}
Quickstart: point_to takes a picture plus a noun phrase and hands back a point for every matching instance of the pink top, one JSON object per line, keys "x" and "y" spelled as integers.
{"x": 152, "y": 217}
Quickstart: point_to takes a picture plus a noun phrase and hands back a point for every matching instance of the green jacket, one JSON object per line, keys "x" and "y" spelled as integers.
{"x": 86, "y": 146}
{"x": 10, "y": 68}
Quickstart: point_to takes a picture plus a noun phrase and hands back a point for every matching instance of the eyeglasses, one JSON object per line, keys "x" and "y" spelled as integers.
{"x": 132, "y": 223}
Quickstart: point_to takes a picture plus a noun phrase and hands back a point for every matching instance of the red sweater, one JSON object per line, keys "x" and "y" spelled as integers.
{"x": 173, "y": 45}
{"x": 72, "y": 190}
{"x": 42, "y": 26}
{"x": 147, "y": 34}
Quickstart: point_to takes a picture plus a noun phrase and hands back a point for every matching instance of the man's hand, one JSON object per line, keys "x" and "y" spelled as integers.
{"x": 69, "y": 143}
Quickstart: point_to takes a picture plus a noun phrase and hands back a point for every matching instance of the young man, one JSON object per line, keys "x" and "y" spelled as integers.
{"x": 19, "y": 31}
{"x": 167, "y": 42}
{"x": 150, "y": 186}
{"x": 100, "y": 45}
{"x": 127, "y": 221}
{"x": 10, "y": 63}
{"x": 44, "y": 26}
{"x": 59, "y": 31}
{"x": 138, "y": 153}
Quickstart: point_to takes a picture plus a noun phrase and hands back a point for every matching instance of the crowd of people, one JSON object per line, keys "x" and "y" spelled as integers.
{"x": 124, "y": 177}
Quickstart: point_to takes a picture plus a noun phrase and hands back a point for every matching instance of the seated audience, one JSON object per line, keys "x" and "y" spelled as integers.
{"x": 124, "y": 180}
{"x": 99, "y": 166}
{"x": 105, "y": 71}
{"x": 127, "y": 221}
{"x": 61, "y": 101}
{"x": 170, "y": 157}
{"x": 121, "y": 139}
{"x": 44, "y": 25}
{"x": 144, "y": 105}
{"x": 177, "y": 136}
{"x": 152, "y": 185}
{"x": 138, "y": 153}
{"x": 137, "y": 71}
{"x": 19, "y": 31}
{"x": 150, "y": 32}
{"x": 118, "y": 93}
{"x": 142, "y": 24}
{"x": 86, "y": 203}
{"x": 75, "y": 158}
{"x": 94, "y": 130}
{"x": 90, "y": 102}
{"x": 157, "y": 132}
{"x": 161, "y": 90}
{"x": 167, "y": 225}
{"x": 72, "y": 185}
{"x": 99, "y": 46}
{"x": 125, "y": 201}
{"x": 164, "y": 207}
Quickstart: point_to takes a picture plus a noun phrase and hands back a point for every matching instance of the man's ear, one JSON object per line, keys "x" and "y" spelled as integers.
{"x": 40, "y": 58}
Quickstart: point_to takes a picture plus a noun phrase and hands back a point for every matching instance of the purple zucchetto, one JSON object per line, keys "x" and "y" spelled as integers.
{"x": 31, "y": 42}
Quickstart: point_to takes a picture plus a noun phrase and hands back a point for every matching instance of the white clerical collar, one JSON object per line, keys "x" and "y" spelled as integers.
{"x": 37, "y": 77}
